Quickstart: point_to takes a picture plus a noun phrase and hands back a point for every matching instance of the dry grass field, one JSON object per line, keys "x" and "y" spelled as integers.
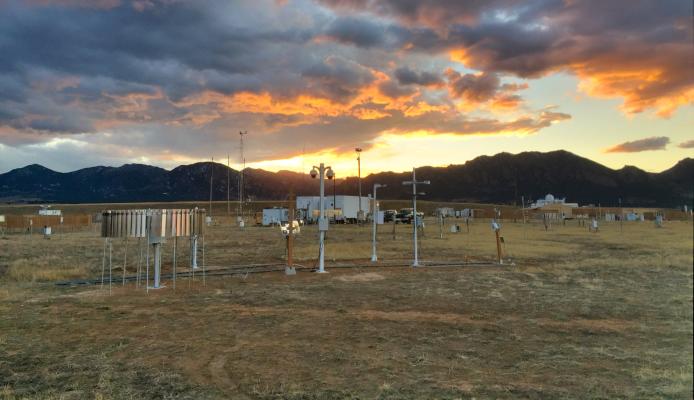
{"x": 577, "y": 315}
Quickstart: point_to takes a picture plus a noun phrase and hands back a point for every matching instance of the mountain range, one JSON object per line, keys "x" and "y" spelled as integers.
{"x": 503, "y": 178}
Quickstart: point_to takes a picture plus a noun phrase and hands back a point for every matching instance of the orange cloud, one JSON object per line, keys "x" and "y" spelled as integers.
{"x": 636, "y": 146}
{"x": 657, "y": 79}
{"x": 369, "y": 103}
{"x": 368, "y": 113}
{"x": 640, "y": 89}
{"x": 460, "y": 56}
{"x": 421, "y": 108}
{"x": 505, "y": 102}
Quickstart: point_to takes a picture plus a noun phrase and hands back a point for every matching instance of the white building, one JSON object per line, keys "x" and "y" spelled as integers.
{"x": 346, "y": 207}
{"x": 48, "y": 211}
{"x": 465, "y": 213}
{"x": 550, "y": 200}
{"x": 275, "y": 216}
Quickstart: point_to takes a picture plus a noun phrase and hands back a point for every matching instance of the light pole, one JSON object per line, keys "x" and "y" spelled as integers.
{"x": 621, "y": 215}
{"x": 496, "y": 227}
{"x": 289, "y": 269}
{"x": 374, "y": 216}
{"x": 414, "y": 184}
{"x": 358, "y": 150}
{"x": 239, "y": 218}
{"x": 323, "y": 171}
{"x": 211, "y": 179}
{"x": 523, "y": 212}
{"x": 194, "y": 245}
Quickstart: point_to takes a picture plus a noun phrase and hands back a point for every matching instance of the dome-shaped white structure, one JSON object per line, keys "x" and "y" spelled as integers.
{"x": 549, "y": 198}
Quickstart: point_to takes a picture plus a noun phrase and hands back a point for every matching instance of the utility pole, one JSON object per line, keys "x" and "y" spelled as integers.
{"x": 441, "y": 222}
{"x": 374, "y": 216}
{"x": 523, "y": 213}
{"x": 289, "y": 268}
{"x": 415, "y": 220}
{"x": 194, "y": 240}
{"x": 621, "y": 215}
{"x": 523, "y": 208}
{"x": 243, "y": 167}
{"x": 211, "y": 178}
{"x": 360, "y": 216}
{"x": 324, "y": 172}
{"x": 496, "y": 227}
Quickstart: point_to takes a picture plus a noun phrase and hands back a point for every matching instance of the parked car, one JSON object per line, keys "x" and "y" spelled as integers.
{"x": 389, "y": 215}
{"x": 404, "y": 216}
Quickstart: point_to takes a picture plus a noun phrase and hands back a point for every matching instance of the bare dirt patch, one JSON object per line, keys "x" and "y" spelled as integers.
{"x": 362, "y": 277}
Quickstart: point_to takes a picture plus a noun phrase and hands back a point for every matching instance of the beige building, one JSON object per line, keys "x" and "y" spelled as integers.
{"x": 553, "y": 208}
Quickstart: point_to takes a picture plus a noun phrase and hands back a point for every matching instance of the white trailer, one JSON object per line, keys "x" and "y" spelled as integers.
{"x": 275, "y": 216}
{"x": 350, "y": 206}
{"x": 46, "y": 211}
{"x": 346, "y": 207}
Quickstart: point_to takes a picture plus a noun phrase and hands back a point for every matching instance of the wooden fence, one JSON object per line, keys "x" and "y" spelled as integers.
{"x": 23, "y": 223}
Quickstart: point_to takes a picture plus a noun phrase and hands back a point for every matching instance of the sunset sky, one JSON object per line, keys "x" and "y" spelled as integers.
{"x": 413, "y": 83}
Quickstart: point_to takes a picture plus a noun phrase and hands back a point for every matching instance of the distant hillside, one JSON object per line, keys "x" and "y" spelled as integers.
{"x": 503, "y": 178}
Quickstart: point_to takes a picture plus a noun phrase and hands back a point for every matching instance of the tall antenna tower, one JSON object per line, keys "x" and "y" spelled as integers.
{"x": 211, "y": 178}
{"x": 228, "y": 179}
{"x": 243, "y": 163}
{"x": 360, "y": 216}
{"x": 303, "y": 158}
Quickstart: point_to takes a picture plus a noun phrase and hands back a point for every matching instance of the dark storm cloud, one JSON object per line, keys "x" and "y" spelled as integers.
{"x": 647, "y": 144}
{"x": 406, "y": 81}
{"x": 507, "y": 47}
{"x": 175, "y": 77}
{"x": 359, "y": 32}
{"x": 12, "y": 87}
{"x": 114, "y": 42}
{"x": 477, "y": 88}
{"x": 337, "y": 78}
{"x": 484, "y": 87}
{"x": 639, "y": 51}
{"x": 179, "y": 48}
{"x": 432, "y": 12}
{"x": 407, "y": 76}
{"x": 616, "y": 15}
{"x": 394, "y": 90}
